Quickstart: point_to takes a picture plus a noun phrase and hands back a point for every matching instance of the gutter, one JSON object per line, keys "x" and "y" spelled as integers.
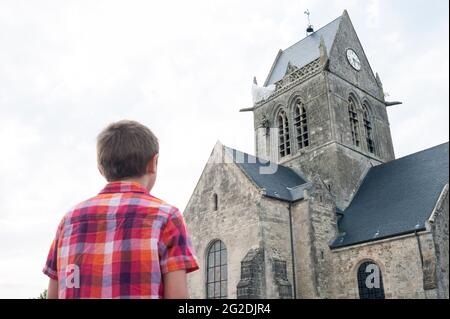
{"x": 373, "y": 240}
{"x": 393, "y": 103}
{"x": 249, "y": 109}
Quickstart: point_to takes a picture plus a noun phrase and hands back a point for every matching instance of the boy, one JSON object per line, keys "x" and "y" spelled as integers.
{"x": 122, "y": 243}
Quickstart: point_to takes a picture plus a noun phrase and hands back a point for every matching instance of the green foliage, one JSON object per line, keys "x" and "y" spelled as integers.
{"x": 43, "y": 295}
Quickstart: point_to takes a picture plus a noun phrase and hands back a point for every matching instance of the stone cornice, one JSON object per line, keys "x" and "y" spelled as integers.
{"x": 290, "y": 80}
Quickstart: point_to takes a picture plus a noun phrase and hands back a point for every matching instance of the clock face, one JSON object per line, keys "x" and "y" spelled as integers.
{"x": 353, "y": 59}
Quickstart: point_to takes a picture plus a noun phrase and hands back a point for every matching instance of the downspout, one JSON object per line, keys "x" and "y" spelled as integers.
{"x": 419, "y": 244}
{"x": 292, "y": 252}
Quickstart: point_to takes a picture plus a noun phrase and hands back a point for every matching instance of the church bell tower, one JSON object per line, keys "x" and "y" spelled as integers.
{"x": 322, "y": 110}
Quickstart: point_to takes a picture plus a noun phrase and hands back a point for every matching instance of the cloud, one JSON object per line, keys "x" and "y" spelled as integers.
{"x": 373, "y": 13}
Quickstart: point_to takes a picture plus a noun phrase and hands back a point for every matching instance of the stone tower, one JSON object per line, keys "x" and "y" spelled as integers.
{"x": 326, "y": 114}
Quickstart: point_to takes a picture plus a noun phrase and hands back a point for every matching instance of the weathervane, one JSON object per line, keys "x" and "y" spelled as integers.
{"x": 310, "y": 28}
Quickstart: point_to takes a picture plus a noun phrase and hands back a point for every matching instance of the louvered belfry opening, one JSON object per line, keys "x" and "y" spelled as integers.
{"x": 283, "y": 134}
{"x": 368, "y": 128}
{"x": 301, "y": 125}
{"x": 354, "y": 122}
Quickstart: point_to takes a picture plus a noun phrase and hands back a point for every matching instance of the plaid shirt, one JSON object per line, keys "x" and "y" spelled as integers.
{"x": 118, "y": 245}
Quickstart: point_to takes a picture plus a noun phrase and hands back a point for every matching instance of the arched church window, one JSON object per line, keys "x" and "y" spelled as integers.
{"x": 354, "y": 122}
{"x": 367, "y": 118}
{"x": 283, "y": 134}
{"x": 370, "y": 281}
{"x": 216, "y": 271}
{"x": 301, "y": 125}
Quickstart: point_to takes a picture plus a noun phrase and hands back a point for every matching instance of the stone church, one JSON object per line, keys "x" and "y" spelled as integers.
{"x": 324, "y": 209}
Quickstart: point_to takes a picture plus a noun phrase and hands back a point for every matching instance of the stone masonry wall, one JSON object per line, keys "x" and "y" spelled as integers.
{"x": 324, "y": 229}
{"x": 339, "y": 167}
{"x": 305, "y": 267}
{"x": 399, "y": 261}
{"x": 314, "y": 221}
{"x": 236, "y": 222}
{"x": 346, "y": 38}
{"x": 276, "y": 242}
{"x": 313, "y": 94}
{"x": 441, "y": 240}
{"x": 340, "y": 91}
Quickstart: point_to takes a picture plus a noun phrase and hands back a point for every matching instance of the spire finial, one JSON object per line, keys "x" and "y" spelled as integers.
{"x": 310, "y": 28}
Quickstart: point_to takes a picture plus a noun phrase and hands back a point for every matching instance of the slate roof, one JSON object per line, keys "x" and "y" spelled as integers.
{"x": 395, "y": 198}
{"x": 303, "y": 52}
{"x": 284, "y": 184}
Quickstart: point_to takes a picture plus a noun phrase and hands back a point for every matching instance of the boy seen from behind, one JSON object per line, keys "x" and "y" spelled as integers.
{"x": 124, "y": 242}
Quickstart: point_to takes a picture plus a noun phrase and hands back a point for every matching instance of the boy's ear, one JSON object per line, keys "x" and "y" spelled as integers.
{"x": 153, "y": 164}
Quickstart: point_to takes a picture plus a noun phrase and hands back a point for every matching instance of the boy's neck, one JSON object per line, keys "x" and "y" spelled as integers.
{"x": 144, "y": 181}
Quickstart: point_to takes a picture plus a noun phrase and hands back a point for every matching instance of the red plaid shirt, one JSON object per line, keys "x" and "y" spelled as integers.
{"x": 118, "y": 245}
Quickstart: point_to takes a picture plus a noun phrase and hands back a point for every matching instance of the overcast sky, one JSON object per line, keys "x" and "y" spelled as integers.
{"x": 184, "y": 68}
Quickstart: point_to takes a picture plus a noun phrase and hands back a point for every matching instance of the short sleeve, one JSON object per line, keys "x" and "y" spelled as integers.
{"x": 175, "y": 247}
{"x": 50, "y": 268}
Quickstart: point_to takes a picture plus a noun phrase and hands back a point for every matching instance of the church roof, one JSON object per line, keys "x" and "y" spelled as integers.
{"x": 303, "y": 52}
{"x": 277, "y": 181}
{"x": 395, "y": 198}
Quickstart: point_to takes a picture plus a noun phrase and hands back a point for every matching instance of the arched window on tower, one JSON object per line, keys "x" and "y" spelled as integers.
{"x": 283, "y": 134}
{"x": 367, "y": 118}
{"x": 370, "y": 281}
{"x": 354, "y": 122}
{"x": 301, "y": 125}
{"x": 216, "y": 271}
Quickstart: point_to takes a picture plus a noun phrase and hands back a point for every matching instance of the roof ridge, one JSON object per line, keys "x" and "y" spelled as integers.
{"x": 340, "y": 17}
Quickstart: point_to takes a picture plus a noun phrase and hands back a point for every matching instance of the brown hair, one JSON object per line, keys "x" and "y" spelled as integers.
{"x": 124, "y": 149}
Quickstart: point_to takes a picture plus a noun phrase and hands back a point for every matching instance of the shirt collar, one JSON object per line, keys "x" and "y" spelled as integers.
{"x": 123, "y": 187}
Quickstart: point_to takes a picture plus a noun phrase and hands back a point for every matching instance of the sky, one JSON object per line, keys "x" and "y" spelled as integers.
{"x": 183, "y": 68}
